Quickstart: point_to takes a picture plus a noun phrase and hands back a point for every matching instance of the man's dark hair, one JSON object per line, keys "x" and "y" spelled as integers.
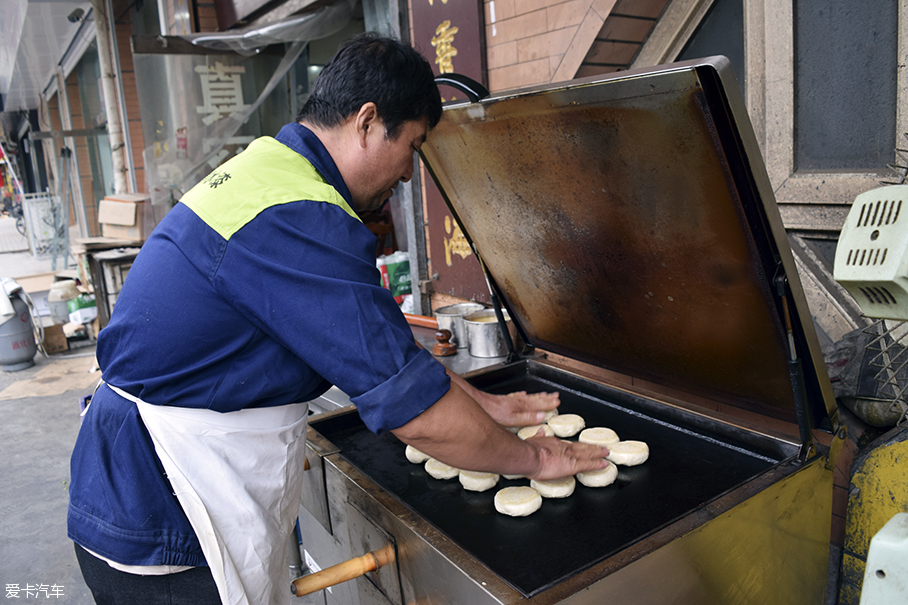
{"x": 384, "y": 71}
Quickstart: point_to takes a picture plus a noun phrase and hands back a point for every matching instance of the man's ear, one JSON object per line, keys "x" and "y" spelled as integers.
{"x": 366, "y": 121}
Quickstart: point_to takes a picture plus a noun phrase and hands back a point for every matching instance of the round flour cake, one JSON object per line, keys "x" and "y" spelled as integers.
{"x": 415, "y": 456}
{"x": 477, "y": 482}
{"x": 517, "y": 501}
{"x": 628, "y": 453}
{"x": 554, "y": 488}
{"x": 566, "y": 425}
{"x": 599, "y": 478}
{"x": 440, "y": 470}
{"x": 600, "y": 436}
{"x": 530, "y": 431}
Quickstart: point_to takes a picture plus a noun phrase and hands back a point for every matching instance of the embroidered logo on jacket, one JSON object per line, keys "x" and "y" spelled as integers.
{"x": 216, "y": 178}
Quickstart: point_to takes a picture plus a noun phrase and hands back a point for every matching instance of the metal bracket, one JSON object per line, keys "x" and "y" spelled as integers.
{"x": 60, "y": 134}
{"x": 425, "y": 286}
{"x": 474, "y": 90}
{"x": 836, "y": 446}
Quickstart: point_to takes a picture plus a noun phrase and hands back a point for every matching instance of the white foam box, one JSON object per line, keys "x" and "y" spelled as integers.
{"x": 38, "y": 287}
{"x": 886, "y": 573}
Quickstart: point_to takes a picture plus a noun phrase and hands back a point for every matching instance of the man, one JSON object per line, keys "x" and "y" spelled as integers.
{"x": 259, "y": 290}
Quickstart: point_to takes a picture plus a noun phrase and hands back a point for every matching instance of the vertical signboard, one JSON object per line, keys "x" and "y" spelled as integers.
{"x": 449, "y": 33}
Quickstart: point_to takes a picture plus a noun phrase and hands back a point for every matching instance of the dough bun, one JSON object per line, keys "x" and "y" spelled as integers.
{"x": 475, "y": 481}
{"x": 554, "y": 488}
{"x": 628, "y": 453}
{"x": 600, "y": 436}
{"x": 550, "y": 414}
{"x": 440, "y": 470}
{"x": 599, "y": 478}
{"x": 415, "y": 456}
{"x": 530, "y": 431}
{"x": 566, "y": 425}
{"x": 517, "y": 501}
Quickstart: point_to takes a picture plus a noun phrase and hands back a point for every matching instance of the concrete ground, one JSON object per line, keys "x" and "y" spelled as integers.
{"x": 39, "y": 421}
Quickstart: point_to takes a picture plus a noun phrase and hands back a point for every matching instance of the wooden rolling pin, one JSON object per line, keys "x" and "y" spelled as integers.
{"x": 342, "y": 572}
{"x": 421, "y": 321}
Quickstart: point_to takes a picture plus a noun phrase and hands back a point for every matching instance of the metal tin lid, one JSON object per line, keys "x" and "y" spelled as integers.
{"x": 628, "y": 223}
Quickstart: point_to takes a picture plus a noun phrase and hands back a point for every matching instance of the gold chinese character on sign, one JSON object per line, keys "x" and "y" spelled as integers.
{"x": 432, "y": 2}
{"x": 457, "y": 243}
{"x": 443, "y": 41}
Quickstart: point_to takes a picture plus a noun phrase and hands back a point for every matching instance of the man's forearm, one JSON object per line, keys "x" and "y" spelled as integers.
{"x": 457, "y": 431}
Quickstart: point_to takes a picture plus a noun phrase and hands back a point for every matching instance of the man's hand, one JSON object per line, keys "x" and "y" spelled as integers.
{"x": 459, "y": 432}
{"x": 520, "y": 408}
{"x": 514, "y": 409}
{"x": 559, "y": 458}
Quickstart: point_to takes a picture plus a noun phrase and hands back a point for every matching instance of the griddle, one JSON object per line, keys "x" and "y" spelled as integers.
{"x": 689, "y": 466}
{"x": 627, "y": 224}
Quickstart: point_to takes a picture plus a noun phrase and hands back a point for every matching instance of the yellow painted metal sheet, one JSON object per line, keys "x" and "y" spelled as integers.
{"x": 770, "y": 549}
{"x": 879, "y": 490}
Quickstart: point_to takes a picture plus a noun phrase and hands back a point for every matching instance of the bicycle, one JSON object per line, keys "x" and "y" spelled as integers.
{"x": 16, "y": 211}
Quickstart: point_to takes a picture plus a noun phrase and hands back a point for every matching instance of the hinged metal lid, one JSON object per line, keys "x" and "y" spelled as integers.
{"x": 628, "y": 222}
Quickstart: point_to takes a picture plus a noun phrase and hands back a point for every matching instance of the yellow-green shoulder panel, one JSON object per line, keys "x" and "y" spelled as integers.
{"x": 266, "y": 174}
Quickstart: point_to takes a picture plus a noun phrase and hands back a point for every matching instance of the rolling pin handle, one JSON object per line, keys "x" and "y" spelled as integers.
{"x": 342, "y": 572}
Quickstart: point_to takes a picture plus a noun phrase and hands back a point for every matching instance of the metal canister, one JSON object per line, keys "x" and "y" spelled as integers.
{"x": 451, "y": 318}
{"x": 17, "y": 338}
{"x": 486, "y": 338}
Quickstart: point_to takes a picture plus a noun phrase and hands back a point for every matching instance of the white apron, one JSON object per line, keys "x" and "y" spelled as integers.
{"x": 239, "y": 477}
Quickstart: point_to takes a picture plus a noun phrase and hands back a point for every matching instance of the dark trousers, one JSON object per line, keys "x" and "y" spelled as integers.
{"x": 111, "y": 586}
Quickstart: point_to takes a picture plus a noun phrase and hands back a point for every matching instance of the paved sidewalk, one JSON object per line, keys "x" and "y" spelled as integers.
{"x": 10, "y": 238}
{"x": 15, "y": 258}
{"x": 39, "y": 420}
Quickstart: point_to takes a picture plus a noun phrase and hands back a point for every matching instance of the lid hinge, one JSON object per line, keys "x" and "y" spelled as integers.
{"x": 795, "y": 369}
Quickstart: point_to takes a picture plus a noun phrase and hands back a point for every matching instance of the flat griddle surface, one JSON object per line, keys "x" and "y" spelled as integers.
{"x": 685, "y": 470}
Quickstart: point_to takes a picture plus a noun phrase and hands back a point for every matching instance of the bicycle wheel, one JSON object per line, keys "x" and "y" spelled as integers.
{"x": 20, "y": 225}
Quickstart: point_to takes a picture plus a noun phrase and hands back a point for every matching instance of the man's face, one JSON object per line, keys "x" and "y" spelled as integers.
{"x": 387, "y": 162}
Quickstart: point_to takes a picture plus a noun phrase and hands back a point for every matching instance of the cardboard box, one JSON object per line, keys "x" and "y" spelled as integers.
{"x": 127, "y": 216}
{"x": 55, "y": 339}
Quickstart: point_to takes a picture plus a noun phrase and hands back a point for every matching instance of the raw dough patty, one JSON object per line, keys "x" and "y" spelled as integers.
{"x": 566, "y": 425}
{"x": 517, "y": 501}
{"x": 415, "y": 456}
{"x": 440, "y": 470}
{"x": 529, "y": 431}
{"x": 600, "y": 436}
{"x": 477, "y": 482}
{"x": 628, "y": 453}
{"x": 601, "y": 478}
{"x": 555, "y": 488}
